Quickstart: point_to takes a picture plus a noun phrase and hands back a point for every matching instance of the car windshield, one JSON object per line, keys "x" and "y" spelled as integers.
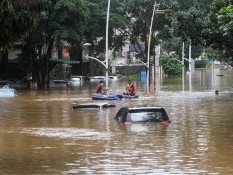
{"x": 145, "y": 116}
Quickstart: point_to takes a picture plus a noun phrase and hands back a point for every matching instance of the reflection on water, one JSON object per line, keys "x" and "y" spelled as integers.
{"x": 40, "y": 133}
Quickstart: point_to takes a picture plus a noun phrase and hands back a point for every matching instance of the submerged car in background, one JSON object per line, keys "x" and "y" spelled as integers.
{"x": 142, "y": 114}
{"x": 76, "y": 80}
{"x": 93, "y": 106}
{"x": 5, "y": 91}
{"x": 59, "y": 82}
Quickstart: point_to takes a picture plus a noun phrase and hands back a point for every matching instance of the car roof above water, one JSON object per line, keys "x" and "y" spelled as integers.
{"x": 142, "y": 114}
{"x": 144, "y": 107}
{"x": 93, "y": 106}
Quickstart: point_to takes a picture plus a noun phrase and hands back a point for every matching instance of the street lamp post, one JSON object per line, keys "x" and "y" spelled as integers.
{"x": 106, "y": 45}
{"x": 105, "y": 62}
{"x": 182, "y": 63}
{"x": 190, "y": 58}
{"x": 183, "y": 66}
{"x": 148, "y": 52}
{"x": 190, "y": 66}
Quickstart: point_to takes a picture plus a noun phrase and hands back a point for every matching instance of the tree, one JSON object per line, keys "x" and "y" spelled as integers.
{"x": 219, "y": 31}
{"x": 206, "y": 23}
{"x": 17, "y": 19}
{"x": 26, "y": 3}
{"x": 171, "y": 65}
{"x": 134, "y": 20}
{"x": 62, "y": 20}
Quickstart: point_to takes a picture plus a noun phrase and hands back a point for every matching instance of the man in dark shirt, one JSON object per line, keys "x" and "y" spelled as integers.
{"x": 100, "y": 89}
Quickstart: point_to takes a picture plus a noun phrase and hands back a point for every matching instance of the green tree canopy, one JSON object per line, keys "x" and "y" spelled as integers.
{"x": 17, "y": 19}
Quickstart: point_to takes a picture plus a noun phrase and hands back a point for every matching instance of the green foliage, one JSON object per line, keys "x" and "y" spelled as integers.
{"x": 171, "y": 65}
{"x": 213, "y": 54}
{"x": 96, "y": 25}
{"x": 175, "y": 44}
{"x": 189, "y": 25}
{"x": 207, "y": 23}
{"x": 17, "y": 20}
{"x": 58, "y": 73}
{"x": 62, "y": 20}
{"x": 189, "y": 14}
{"x": 137, "y": 15}
{"x": 134, "y": 76}
{"x": 200, "y": 64}
{"x": 98, "y": 68}
{"x": 67, "y": 19}
{"x": 218, "y": 32}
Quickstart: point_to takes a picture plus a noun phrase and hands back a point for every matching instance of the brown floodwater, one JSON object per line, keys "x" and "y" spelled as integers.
{"x": 40, "y": 133}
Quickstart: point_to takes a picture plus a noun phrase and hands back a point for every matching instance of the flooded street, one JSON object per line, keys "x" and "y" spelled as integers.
{"x": 40, "y": 133}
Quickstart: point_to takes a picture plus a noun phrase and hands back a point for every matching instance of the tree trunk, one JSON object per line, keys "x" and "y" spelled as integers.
{"x": 5, "y": 65}
{"x": 43, "y": 74}
{"x": 49, "y": 55}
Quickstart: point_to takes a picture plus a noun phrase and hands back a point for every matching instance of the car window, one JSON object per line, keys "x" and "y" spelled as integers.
{"x": 145, "y": 116}
{"x": 121, "y": 114}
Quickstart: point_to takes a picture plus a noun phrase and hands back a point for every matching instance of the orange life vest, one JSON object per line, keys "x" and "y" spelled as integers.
{"x": 131, "y": 87}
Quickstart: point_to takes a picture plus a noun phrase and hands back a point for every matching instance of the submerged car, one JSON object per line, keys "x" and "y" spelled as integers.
{"x": 59, "y": 82}
{"x": 142, "y": 114}
{"x": 93, "y": 106}
{"x": 5, "y": 91}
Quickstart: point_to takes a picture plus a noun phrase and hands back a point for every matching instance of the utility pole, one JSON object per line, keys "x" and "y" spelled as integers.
{"x": 106, "y": 45}
{"x": 183, "y": 66}
{"x": 148, "y": 52}
{"x": 190, "y": 57}
{"x": 149, "y": 42}
{"x": 190, "y": 65}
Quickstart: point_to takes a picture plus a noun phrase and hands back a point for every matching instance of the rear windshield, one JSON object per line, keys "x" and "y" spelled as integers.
{"x": 151, "y": 115}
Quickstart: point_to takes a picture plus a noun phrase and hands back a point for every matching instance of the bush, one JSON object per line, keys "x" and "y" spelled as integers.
{"x": 200, "y": 64}
{"x": 58, "y": 73}
{"x": 171, "y": 65}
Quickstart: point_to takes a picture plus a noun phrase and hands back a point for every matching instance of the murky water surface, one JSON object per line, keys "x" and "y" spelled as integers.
{"x": 40, "y": 133}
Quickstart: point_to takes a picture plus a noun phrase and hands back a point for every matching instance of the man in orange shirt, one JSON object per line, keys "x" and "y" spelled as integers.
{"x": 130, "y": 88}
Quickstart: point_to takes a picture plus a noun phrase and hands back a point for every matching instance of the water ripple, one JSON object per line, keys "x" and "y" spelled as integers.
{"x": 69, "y": 133}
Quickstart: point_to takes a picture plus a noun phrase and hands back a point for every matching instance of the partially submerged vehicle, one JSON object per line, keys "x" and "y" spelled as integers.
{"x": 59, "y": 82}
{"x": 93, "y": 106}
{"x": 102, "y": 78}
{"x": 5, "y": 91}
{"x": 96, "y": 78}
{"x": 76, "y": 80}
{"x": 142, "y": 114}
